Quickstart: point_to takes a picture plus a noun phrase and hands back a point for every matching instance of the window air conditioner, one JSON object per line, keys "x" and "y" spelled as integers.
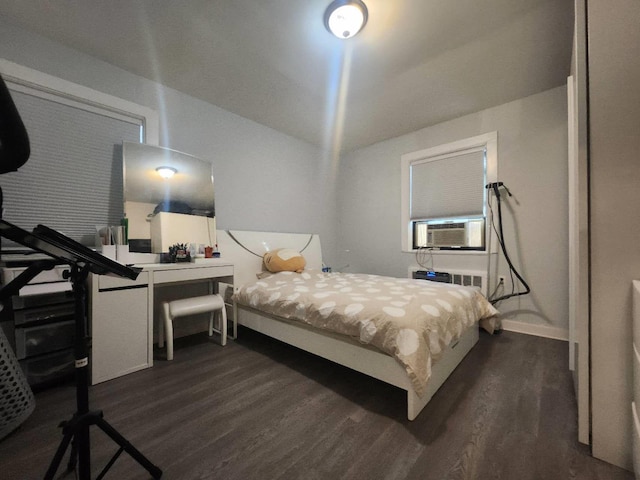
{"x": 447, "y": 235}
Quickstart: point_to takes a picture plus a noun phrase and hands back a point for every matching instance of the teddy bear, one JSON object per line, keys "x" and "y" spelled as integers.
{"x": 284, "y": 260}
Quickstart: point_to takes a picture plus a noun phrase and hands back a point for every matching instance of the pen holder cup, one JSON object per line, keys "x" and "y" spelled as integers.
{"x": 109, "y": 251}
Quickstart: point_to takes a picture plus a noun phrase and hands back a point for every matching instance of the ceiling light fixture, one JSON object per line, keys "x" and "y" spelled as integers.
{"x": 345, "y": 18}
{"x": 166, "y": 172}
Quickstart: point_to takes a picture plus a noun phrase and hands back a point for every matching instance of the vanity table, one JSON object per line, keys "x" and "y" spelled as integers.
{"x": 121, "y": 312}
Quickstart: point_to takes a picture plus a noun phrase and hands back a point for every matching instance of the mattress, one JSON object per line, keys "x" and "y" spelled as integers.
{"x": 410, "y": 320}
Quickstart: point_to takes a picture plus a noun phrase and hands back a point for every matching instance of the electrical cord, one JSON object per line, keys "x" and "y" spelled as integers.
{"x": 421, "y": 258}
{"x": 495, "y": 188}
{"x": 495, "y": 230}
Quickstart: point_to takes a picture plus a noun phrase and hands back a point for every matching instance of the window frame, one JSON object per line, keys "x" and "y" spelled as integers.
{"x": 53, "y": 88}
{"x": 64, "y": 93}
{"x": 488, "y": 141}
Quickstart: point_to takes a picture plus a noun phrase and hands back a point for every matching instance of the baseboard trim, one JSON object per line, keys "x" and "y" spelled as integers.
{"x": 555, "y": 333}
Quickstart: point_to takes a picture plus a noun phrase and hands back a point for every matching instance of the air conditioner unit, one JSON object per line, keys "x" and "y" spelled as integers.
{"x": 447, "y": 235}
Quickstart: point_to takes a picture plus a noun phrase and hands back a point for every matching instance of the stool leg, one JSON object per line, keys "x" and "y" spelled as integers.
{"x": 223, "y": 327}
{"x": 212, "y": 314}
{"x": 161, "y": 331}
{"x": 168, "y": 329}
{"x": 235, "y": 320}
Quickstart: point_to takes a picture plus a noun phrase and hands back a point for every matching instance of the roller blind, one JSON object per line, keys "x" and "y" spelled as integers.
{"x": 73, "y": 178}
{"x": 448, "y": 187}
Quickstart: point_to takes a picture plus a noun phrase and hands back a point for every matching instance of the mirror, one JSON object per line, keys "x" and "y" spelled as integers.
{"x": 186, "y": 191}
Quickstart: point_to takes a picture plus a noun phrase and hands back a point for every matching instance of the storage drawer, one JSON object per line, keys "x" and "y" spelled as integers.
{"x": 193, "y": 273}
{"x": 44, "y": 338}
{"x": 56, "y": 274}
{"x": 64, "y": 311}
{"x": 46, "y": 368}
{"x": 46, "y": 299}
{"x": 107, "y": 281}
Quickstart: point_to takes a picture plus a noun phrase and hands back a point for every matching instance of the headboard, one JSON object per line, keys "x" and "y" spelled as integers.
{"x": 245, "y": 249}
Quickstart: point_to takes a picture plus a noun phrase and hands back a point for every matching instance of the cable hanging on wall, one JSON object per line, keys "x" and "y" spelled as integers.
{"x": 424, "y": 258}
{"x": 495, "y": 189}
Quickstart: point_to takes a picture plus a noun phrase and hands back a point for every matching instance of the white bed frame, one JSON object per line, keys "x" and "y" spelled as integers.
{"x": 338, "y": 349}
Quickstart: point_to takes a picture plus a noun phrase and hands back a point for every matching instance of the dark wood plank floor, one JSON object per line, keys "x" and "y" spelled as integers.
{"x": 258, "y": 409}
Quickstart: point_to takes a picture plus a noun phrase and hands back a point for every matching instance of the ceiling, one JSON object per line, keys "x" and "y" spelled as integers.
{"x": 416, "y": 63}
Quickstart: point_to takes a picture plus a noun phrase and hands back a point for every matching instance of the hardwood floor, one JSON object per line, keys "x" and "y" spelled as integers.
{"x": 259, "y": 409}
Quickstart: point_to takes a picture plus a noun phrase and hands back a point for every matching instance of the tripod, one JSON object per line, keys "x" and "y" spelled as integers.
{"x": 76, "y": 431}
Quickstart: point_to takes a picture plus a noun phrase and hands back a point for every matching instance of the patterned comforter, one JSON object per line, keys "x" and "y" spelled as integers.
{"x": 411, "y": 320}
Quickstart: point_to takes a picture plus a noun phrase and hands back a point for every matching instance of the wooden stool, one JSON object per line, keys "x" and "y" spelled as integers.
{"x": 191, "y": 306}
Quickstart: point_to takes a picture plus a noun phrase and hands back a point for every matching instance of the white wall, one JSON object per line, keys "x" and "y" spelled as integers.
{"x": 264, "y": 180}
{"x": 532, "y": 162}
{"x": 614, "y": 129}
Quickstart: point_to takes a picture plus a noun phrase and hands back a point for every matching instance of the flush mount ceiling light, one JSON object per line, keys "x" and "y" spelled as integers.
{"x": 345, "y": 18}
{"x": 166, "y": 172}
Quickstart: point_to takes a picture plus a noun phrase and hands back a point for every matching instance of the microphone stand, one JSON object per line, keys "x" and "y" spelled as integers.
{"x": 76, "y": 430}
{"x": 82, "y": 261}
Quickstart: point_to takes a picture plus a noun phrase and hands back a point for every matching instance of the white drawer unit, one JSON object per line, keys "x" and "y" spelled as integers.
{"x": 122, "y": 313}
{"x": 120, "y": 332}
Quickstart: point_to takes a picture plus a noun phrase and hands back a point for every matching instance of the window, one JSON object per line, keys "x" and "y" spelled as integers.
{"x": 444, "y": 195}
{"x": 73, "y": 179}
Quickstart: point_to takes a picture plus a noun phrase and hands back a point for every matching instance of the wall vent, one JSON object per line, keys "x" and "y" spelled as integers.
{"x": 467, "y": 278}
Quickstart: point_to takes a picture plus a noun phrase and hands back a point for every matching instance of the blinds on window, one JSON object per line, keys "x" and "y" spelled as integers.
{"x": 73, "y": 179}
{"x": 448, "y": 187}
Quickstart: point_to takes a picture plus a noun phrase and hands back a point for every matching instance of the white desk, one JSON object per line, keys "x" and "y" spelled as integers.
{"x": 121, "y": 313}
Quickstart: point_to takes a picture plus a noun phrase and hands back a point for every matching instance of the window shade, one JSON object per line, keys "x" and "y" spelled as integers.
{"x": 73, "y": 179}
{"x": 448, "y": 187}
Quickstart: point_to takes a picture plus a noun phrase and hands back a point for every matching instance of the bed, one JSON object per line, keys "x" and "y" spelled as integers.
{"x": 408, "y": 333}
